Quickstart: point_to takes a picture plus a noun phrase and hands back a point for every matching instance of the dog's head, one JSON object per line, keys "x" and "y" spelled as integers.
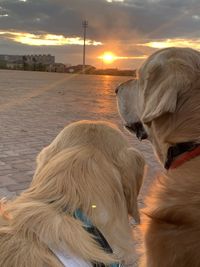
{"x": 90, "y": 166}
{"x": 169, "y": 97}
{"x": 92, "y": 162}
{"x": 128, "y": 106}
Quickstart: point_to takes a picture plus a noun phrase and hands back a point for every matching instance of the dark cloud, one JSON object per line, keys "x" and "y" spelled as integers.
{"x": 122, "y": 24}
{"x": 106, "y": 19}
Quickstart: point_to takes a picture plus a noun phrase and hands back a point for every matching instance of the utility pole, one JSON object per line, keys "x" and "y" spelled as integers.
{"x": 85, "y": 25}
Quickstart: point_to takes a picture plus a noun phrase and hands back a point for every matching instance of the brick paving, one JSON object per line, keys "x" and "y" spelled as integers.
{"x": 35, "y": 106}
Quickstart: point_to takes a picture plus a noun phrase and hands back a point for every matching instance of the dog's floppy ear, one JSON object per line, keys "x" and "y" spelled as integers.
{"x": 161, "y": 86}
{"x": 161, "y": 101}
{"x": 132, "y": 171}
{"x": 44, "y": 156}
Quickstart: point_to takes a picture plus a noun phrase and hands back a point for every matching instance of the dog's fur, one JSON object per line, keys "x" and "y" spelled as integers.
{"x": 127, "y": 92}
{"x": 89, "y": 163}
{"x": 169, "y": 99}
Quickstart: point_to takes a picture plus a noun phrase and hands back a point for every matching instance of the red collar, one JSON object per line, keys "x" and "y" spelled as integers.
{"x": 180, "y": 153}
{"x": 185, "y": 157}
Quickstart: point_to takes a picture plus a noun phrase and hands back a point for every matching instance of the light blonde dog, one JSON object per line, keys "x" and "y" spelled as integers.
{"x": 88, "y": 166}
{"x": 169, "y": 107}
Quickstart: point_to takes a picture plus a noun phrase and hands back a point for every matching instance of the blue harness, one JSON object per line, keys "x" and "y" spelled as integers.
{"x": 78, "y": 214}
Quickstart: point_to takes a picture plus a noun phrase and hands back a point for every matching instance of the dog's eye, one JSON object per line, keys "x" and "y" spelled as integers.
{"x": 148, "y": 124}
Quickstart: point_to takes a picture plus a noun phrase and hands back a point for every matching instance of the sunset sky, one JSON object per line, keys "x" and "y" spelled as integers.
{"x": 129, "y": 29}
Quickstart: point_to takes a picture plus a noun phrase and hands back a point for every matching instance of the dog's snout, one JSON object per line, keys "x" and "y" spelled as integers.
{"x": 138, "y": 129}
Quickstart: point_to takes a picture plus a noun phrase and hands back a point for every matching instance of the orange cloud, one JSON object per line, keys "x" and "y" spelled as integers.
{"x": 194, "y": 43}
{"x": 45, "y": 39}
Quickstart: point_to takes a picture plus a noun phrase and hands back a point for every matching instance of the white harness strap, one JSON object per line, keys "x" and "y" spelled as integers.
{"x": 71, "y": 261}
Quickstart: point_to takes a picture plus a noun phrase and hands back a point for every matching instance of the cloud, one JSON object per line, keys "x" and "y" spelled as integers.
{"x": 118, "y": 25}
{"x": 194, "y": 43}
{"x": 111, "y": 1}
{"x": 45, "y": 39}
{"x": 107, "y": 19}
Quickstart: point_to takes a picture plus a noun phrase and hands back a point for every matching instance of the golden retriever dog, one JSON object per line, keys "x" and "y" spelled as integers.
{"x": 168, "y": 100}
{"x": 89, "y": 167}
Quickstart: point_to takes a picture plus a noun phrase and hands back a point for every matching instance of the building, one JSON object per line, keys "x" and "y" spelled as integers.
{"x": 11, "y": 62}
{"x": 79, "y": 69}
{"x": 26, "y": 62}
{"x": 11, "y": 58}
{"x": 39, "y": 59}
{"x": 56, "y": 67}
{"x": 14, "y": 66}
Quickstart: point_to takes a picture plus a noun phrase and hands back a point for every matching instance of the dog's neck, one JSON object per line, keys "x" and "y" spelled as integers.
{"x": 185, "y": 181}
{"x": 180, "y": 153}
{"x": 176, "y": 190}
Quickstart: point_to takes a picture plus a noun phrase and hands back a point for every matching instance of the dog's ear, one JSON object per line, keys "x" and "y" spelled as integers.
{"x": 161, "y": 101}
{"x": 132, "y": 171}
{"x": 161, "y": 86}
{"x": 44, "y": 156}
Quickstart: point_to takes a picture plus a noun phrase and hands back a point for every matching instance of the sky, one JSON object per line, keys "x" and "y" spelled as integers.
{"x": 129, "y": 29}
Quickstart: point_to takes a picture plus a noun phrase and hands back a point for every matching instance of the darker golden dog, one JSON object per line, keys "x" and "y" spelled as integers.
{"x": 168, "y": 106}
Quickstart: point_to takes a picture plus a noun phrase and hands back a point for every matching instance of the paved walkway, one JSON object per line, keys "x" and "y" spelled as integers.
{"x": 34, "y": 107}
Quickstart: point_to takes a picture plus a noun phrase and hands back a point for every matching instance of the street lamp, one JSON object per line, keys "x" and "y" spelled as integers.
{"x": 85, "y": 25}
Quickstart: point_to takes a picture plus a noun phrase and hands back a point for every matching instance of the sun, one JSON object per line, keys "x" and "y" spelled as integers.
{"x": 108, "y": 57}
